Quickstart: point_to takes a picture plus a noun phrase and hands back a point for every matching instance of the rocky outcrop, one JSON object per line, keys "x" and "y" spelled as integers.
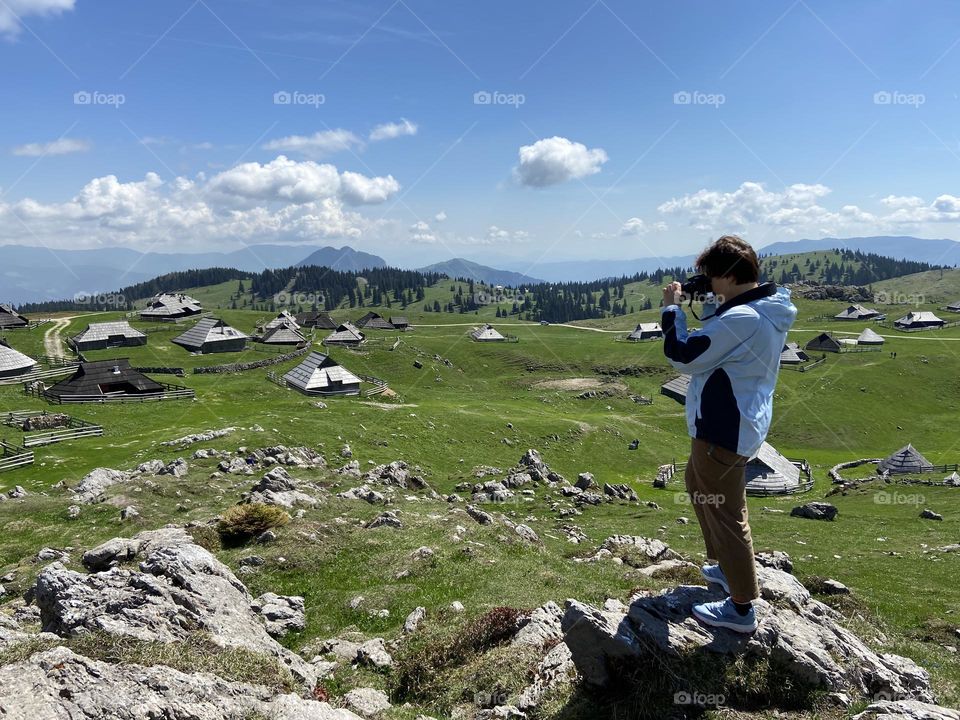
{"x": 178, "y": 589}
{"x": 276, "y": 487}
{"x": 93, "y": 484}
{"x": 61, "y": 685}
{"x": 906, "y": 710}
{"x": 797, "y": 633}
{"x": 281, "y": 613}
{"x": 815, "y": 511}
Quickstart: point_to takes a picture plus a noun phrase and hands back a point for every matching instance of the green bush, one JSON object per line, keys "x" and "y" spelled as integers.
{"x": 242, "y": 522}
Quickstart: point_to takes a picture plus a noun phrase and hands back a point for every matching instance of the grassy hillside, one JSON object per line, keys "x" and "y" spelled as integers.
{"x": 937, "y": 287}
{"x": 487, "y": 408}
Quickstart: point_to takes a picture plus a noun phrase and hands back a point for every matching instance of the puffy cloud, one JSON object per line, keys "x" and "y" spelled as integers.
{"x": 555, "y": 160}
{"x": 390, "y": 130}
{"x": 63, "y": 146}
{"x": 278, "y": 200}
{"x": 13, "y": 11}
{"x": 440, "y": 216}
{"x": 359, "y": 189}
{"x": 634, "y": 226}
{"x": 321, "y": 143}
{"x": 497, "y": 234}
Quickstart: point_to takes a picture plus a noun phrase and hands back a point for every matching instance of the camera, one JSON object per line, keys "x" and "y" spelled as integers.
{"x": 696, "y": 286}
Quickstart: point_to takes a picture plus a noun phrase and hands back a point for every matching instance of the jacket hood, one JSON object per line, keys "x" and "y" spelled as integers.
{"x": 777, "y": 308}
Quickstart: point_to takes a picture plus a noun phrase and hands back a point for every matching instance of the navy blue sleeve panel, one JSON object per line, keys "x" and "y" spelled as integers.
{"x": 681, "y": 350}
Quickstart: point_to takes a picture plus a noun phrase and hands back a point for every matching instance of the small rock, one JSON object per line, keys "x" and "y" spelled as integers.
{"x": 585, "y": 481}
{"x": 73, "y": 512}
{"x": 414, "y": 619}
{"x": 928, "y": 514}
{"x": 834, "y": 587}
{"x": 367, "y": 701}
{"x": 374, "y": 652}
{"x": 815, "y": 511}
{"x": 267, "y": 536}
{"x": 129, "y": 513}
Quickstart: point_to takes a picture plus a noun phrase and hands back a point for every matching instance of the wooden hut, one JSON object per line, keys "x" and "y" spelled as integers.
{"x": 919, "y": 319}
{"x": 103, "y": 379}
{"x": 282, "y": 334}
{"x": 399, "y": 322}
{"x": 319, "y": 374}
{"x": 10, "y": 319}
{"x": 14, "y": 363}
{"x": 906, "y": 460}
{"x": 100, "y": 336}
{"x": 857, "y": 312}
{"x": 486, "y": 333}
{"x": 770, "y": 473}
{"x": 373, "y": 321}
{"x": 646, "y": 331}
{"x": 824, "y": 342}
{"x": 170, "y": 306}
{"x": 212, "y": 335}
{"x": 954, "y": 306}
{"x": 792, "y": 354}
{"x": 869, "y": 337}
{"x": 315, "y": 319}
{"x": 283, "y": 318}
{"x": 346, "y": 334}
{"x": 676, "y": 388}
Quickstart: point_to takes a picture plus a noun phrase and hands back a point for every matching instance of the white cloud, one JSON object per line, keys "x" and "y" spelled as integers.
{"x": 321, "y": 143}
{"x": 279, "y": 200}
{"x": 634, "y": 226}
{"x": 63, "y": 146}
{"x": 359, "y": 189}
{"x": 12, "y": 12}
{"x": 498, "y": 234}
{"x": 391, "y": 130}
{"x": 555, "y": 160}
{"x": 440, "y": 216}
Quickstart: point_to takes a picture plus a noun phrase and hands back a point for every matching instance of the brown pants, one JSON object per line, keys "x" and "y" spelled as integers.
{"x": 717, "y": 487}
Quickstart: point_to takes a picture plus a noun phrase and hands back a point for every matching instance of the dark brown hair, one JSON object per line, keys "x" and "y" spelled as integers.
{"x": 730, "y": 255}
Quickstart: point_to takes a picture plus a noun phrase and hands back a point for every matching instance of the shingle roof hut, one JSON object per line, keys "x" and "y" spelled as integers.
{"x": 676, "y": 388}
{"x": 316, "y": 319}
{"x": 212, "y": 335}
{"x": 869, "y": 337}
{"x": 770, "y": 473}
{"x": 346, "y": 334}
{"x": 103, "y": 378}
{"x": 486, "y": 333}
{"x": 905, "y": 460}
{"x": 919, "y": 319}
{"x": 824, "y": 342}
{"x": 170, "y": 306}
{"x": 282, "y": 335}
{"x": 13, "y": 362}
{"x": 373, "y": 321}
{"x": 319, "y": 374}
{"x": 857, "y": 312}
{"x": 10, "y": 318}
{"x": 100, "y": 336}
{"x": 399, "y": 322}
{"x": 954, "y": 306}
{"x": 282, "y": 318}
{"x": 792, "y": 355}
{"x": 646, "y": 331}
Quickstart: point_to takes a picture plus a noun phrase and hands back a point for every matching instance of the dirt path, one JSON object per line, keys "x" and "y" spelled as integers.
{"x": 52, "y": 344}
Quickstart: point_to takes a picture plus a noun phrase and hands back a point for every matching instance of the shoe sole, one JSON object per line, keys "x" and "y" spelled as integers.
{"x": 745, "y": 629}
{"x": 715, "y": 581}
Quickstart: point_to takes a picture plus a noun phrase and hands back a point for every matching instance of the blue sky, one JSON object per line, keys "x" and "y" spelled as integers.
{"x": 620, "y": 129}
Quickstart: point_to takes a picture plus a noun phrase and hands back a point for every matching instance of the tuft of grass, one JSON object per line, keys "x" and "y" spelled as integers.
{"x": 239, "y": 523}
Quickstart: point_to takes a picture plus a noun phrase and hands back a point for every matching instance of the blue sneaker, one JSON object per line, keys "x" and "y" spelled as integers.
{"x": 722, "y": 613}
{"x": 713, "y": 573}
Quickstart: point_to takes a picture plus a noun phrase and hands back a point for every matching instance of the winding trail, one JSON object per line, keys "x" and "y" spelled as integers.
{"x": 52, "y": 343}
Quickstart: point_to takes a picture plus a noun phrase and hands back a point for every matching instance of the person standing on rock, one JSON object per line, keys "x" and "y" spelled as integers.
{"x": 733, "y": 363}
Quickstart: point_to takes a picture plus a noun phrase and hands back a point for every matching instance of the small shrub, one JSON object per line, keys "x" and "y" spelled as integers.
{"x": 242, "y": 522}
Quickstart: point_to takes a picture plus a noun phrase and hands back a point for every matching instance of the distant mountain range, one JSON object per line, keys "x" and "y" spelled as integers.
{"x": 458, "y": 267}
{"x": 34, "y": 274}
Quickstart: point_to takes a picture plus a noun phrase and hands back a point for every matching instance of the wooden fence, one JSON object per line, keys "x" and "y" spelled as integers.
{"x": 379, "y": 386}
{"x": 668, "y": 472}
{"x": 806, "y": 366}
{"x": 13, "y": 456}
{"x": 39, "y": 375}
{"x": 75, "y": 428}
{"x": 169, "y": 392}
